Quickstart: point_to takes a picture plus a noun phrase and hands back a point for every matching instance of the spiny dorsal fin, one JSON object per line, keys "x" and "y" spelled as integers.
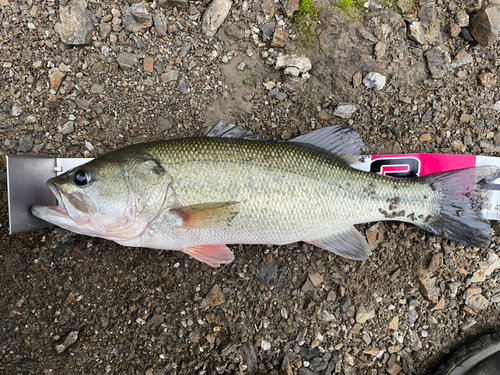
{"x": 230, "y": 130}
{"x": 347, "y": 242}
{"x": 339, "y": 140}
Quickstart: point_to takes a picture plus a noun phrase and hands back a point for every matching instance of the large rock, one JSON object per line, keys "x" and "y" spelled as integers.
{"x": 214, "y": 16}
{"x": 485, "y": 25}
{"x": 439, "y": 61}
{"x": 76, "y": 26}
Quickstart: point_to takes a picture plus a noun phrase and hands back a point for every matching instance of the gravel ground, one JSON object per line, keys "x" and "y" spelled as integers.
{"x": 82, "y": 78}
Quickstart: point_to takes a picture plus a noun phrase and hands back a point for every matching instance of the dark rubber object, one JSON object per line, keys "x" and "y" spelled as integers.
{"x": 480, "y": 358}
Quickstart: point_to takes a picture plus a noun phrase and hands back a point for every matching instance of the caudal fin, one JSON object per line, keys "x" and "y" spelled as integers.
{"x": 460, "y": 218}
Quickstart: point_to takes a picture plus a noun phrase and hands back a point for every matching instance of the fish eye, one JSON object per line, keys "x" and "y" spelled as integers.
{"x": 82, "y": 177}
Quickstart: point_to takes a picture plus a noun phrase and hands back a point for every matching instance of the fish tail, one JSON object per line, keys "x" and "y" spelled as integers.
{"x": 460, "y": 217}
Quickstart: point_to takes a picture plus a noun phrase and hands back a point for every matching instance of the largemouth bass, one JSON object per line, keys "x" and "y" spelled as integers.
{"x": 197, "y": 195}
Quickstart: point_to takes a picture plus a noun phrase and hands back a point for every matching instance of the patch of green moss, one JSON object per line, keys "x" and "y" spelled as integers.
{"x": 250, "y": 80}
{"x": 353, "y": 8}
{"x": 305, "y": 23}
{"x": 307, "y": 7}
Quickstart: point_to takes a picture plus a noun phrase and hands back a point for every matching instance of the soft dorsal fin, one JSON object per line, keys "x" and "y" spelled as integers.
{"x": 230, "y": 130}
{"x": 338, "y": 140}
{"x": 347, "y": 242}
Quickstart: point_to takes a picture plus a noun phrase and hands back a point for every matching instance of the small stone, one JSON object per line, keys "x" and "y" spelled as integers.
{"x": 374, "y": 80}
{"x": 416, "y": 32}
{"x": 286, "y": 135}
{"x": 155, "y": 320}
{"x": 478, "y": 277}
{"x": 375, "y": 235}
{"x": 316, "y": 278}
{"x": 326, "y": 316}
{"x": 487, "y": 79}
{"x": 394, "y": 323}
{"x": 268, "y": 31}
{"x": 213, "y": 298}
{"x": 357, "y": 79}
{"x": 182, "y": 87}
{"x": 380, "y": 49}
{"x": 463, "y": 58}
{"x": 67, "y": 128}
{"x": 89, "y": 146}
{"x": 170, "y": 76}
{"x": 324, "y": 115}
{"x": 291, "y": 6}
{"x": 496, "y": 106}
{"x": 97, "y": 88}
{"x": 280, "y": 38}
{"x": 458, "y": 145}
{"x": 462, "y": 18}
{"x": 105, "y": 29}
{"x": 126, "y": 60}
{"x": 16, "y": 110}
{"x": 76, "y": 26}
{"x": 163, "y": 124}
{"x": 136, "y": 18}
{"x": 471, "y": 291}
{"x": 55, "y": 77}
{"x": 345, "y": 110}
{"x": 268, "y": 269}
{"x": 493, "y": 264}
{"x": 477, "y": 302}
{"x": 454, "y": 29}
{"x": 69, "y": 340}
{"x": 265, "y": 345}
{"x": 439, "y": 61}
{"x": 215, "y": 16}
{"x": 464, "y": 117}
{"x": 308, "y": 286}
{"x": 26, "y": 143}
{"x": 149, "y": 64}
{"x": 82, "y": 103}
{"x": 194, "y": 336}
{"x": 394, "y": 369}
{"x": 485, "y": 25}
{"x": 160, "y": 22}
{"x": 365, "y": 313}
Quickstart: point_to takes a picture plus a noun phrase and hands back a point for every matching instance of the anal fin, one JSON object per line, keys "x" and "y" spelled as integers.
{"x": 207, "y": 215}
{"x": 213, "y": 255}
{"x": 347, "y": 242}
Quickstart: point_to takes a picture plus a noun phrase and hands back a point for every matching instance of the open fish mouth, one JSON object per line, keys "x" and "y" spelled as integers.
{"x": 71, "y": 210}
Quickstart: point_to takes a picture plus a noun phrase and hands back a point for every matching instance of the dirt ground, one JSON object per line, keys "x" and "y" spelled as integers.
{"x": 274, "y": 310}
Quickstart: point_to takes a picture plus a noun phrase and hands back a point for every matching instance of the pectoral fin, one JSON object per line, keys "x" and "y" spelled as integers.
{"x": 207, "y": 215}
{"x": 347, "y": 242}
{"x": 213, "y": 255}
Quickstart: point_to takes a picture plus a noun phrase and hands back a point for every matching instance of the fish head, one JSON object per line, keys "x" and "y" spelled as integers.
{"x": 113, "y": 199}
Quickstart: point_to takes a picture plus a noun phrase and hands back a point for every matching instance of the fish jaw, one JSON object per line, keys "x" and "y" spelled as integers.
{"x": 72, "y": 213}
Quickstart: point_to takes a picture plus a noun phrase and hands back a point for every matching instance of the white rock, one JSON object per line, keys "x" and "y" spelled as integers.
{"x": 215, "y": 16}
{"x": 292, "y": 71}
{"x": 265, "y": 345}
{"x": 89, "y": 146}
{"x": 302, "y": 63}
{"x": 345, "y": 110}
{"x": 374, "y": 80}
{"x": 496, "y": 107}
{"x": 16, "y": 110}
{"x": 493, "y": 262}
